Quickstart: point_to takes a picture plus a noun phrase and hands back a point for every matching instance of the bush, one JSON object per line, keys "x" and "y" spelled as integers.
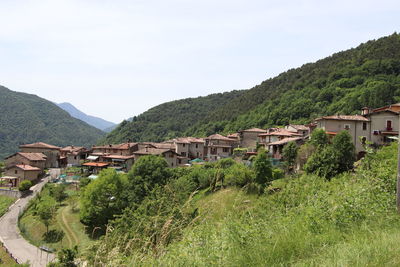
{"x": 238, "y": 175}
{"x": 25, "y": 185}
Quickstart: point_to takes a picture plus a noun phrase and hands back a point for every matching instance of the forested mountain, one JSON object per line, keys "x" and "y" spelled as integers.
{"x": 342, "y": 83}
{"x": 99, "y": 123}
{"x": 170, "y": 119}
{"x": 27, "y": 118}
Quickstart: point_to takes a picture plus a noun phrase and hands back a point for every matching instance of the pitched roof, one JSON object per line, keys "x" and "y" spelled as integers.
{"x": 122, "y": 146}
{"x": 219, "y": 137}
{"x": 118, "y": 157}
{"x": 299, "y": 127}
{"x": 96, "y": 164}
{"x": 153, "y": 151}
{"x": 280, "y": 132}
{"x": 33, "y": 156}
{"x": 164, "y": 145}
{"x": 27, "y": 167}
{"x": 233, "y": 135}
{"x": 72, "y": 149}
{"x": 285, "y": 141}
{"x": 344, "y": 118}
{"x": 392, "y": 107}
{"x": 40, "y": 145}
{"x": 255, "y": 130}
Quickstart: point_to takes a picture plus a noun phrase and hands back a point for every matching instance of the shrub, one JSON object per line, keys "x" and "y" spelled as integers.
{"x": 238, "y": 175}
{"x": 25, "y": 185}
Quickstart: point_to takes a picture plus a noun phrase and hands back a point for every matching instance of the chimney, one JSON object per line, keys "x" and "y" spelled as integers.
{"x": 365, "y": 111}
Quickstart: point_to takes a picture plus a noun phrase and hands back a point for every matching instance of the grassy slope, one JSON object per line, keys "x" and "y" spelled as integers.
{"x": 350, "y": 221}
{"x": 66, "y": 220}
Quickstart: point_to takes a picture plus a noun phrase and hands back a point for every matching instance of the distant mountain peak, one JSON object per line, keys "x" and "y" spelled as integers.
{"x": 99, "y": 123}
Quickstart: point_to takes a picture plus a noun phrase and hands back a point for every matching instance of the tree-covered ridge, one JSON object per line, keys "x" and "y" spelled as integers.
{"x": 170, "y": 119}
{"x": 342, "y": 83}
{"x": 27, "y": 118}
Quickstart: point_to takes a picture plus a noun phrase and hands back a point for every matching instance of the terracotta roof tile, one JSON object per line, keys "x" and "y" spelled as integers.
{"x": 96, "y": 164}
{"x": 285, "y": 141}
{"x": 40, "y": 145}
{"x": 255, "y": 130}
{"x": 344, "y": 118}
{"x": 153, "y": 151}
{"x": 219, "y": 137}
{"x": 27, "y": 167}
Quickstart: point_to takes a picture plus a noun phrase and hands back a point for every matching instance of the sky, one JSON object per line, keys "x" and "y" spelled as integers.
{"x": 117, "y": 58}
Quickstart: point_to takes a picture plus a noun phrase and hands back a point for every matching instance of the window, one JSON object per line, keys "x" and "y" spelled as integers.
{"x": 197, "y": 145}
{"x": 16, "y": 171}
{"x": 364, "y": 126}
{"x": 74, "y": 157}
{"x": 347, "y": 126}
{"x": 225, "y": 150}
{"x": 183, "y": 145}
{"x": 389, "y": 125}
{"x": 183, "y": 154}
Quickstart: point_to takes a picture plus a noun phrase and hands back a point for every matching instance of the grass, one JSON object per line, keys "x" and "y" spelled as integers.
{"x": 348, "y": 221}
{"x": 6, "y": 260}
{"x": 5, "y": 202}
{"x": 66, "y": 220}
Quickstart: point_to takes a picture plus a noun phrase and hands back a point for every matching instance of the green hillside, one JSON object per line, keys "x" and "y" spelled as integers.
{"x": 342, "y": 83}
{"x": 170, "y": 119}
{"x": 27, "y": 118}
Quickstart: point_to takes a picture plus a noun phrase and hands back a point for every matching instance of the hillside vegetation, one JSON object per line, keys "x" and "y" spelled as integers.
{"x": 342, "y": 83}
{"x": 28, "y": 118}
{"x": 302, "y": 220}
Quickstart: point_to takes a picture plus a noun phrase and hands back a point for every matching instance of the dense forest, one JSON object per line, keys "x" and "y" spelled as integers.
{"x": 342, "y": 83}
{"x": 27, "y": 118}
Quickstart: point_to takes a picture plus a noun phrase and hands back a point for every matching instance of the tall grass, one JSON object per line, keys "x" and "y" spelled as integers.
{"x": 348, "y": 221}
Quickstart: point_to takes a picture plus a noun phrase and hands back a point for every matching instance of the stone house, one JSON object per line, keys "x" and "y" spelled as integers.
{"x": 304, "y": 130}
{"x": 23, "y": 172}
{"x": 249, "y": 138}
{"x": 52, "y": 153}
{"x": 275, "y": 148}
{"x": 189, "y": 147}
{"x": 168, "y": 154}
{"x": 74, "y": 155}
{"x": 274, "y": 135}
{"x": 33, "y": 159}
{"x": 218, "y": 146}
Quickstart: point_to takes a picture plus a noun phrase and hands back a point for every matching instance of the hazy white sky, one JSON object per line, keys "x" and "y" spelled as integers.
{"x": 117, "y": 58}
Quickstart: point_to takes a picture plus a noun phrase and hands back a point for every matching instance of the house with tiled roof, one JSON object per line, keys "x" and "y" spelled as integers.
{"x": 170, "y": 156}
{"x": 358, "y": 127}
{"x": 384, "y": 123}
{"x": 189, "y": 147}
{"x": 248, "y": 138}
{"x": 275, "y": 148}
{"x": 33, "y": 159}
{"x": 304, "y": 130}
{"x": 73, "y": 155}
{"x": 52, "y": 152}
{"x": 218, "y": 146}
{"x": 275, "y": 135}
{"x": 22, "y": 172}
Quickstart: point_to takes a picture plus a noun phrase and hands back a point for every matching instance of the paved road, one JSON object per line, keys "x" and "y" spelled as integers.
{"x": 10, "y": 235}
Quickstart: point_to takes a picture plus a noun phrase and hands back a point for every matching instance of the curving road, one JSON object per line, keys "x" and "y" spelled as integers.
{"x": 19, "y": 248}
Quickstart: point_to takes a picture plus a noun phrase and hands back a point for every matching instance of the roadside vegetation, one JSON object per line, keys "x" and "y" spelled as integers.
{"x": 5, "y": 259}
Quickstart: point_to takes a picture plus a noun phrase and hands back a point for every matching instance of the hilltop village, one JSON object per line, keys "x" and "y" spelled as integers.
{"x": 376, "y": 127}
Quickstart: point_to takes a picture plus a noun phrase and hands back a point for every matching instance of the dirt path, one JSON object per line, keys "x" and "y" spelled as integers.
{"x": 72, "y": 238}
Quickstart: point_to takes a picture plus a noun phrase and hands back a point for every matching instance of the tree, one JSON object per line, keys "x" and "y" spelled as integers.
{"x": 319, "y": 138}
{"x": 290, "y": 154}
{"x": 65, "y": 257}
{"x": 146, "y": 173}
{"x": 45, "y": 209}
{"x": 323, "y": 163}
{"x": 344, "y": 150}
{"x": 25, "y": 185}
{"x": 262, "y": 167}
{"x": 103, "y": 198}
{"x": 58, "y": 193}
